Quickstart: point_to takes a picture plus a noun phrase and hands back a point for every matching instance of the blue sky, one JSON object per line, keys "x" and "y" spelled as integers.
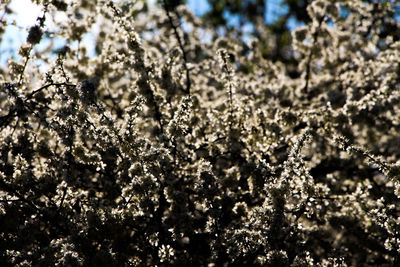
{"x": 199, "y": 7}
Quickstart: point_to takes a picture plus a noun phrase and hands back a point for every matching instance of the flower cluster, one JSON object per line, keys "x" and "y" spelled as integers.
{"x": 165, "y": 149}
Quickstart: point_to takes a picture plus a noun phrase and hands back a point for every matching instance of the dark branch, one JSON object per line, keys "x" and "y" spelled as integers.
{"x": 310, "y": 55}
{"x": 175, "y": 28}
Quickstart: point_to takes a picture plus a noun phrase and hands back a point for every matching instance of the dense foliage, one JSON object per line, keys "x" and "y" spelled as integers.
{"x": 167, "y": 149}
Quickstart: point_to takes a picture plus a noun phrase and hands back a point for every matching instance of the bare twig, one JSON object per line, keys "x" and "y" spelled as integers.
{"x": 48, "y": 85}
{"x": 310, "y": 55}
{"x": 175, "y": 28}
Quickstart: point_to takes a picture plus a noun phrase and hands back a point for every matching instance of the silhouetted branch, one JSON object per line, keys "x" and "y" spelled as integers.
{"x": 175, "y": 28}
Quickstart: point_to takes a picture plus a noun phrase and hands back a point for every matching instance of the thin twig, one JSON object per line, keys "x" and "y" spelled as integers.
{"x": 175, "y": 28}
{"x": 21, "y": 75}
{"x": 310, "y": 55}
{"x": 41, "y": 24}
{"x": 48, "y": 85}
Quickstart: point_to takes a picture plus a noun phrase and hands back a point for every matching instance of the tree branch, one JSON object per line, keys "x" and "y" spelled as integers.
{"x": 175, "y": 28}
{"x": 310, "y": 55}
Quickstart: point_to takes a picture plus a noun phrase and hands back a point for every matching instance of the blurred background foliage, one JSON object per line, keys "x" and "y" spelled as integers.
{"x": 270, "y": 22}
{"x": 255, "y": 12}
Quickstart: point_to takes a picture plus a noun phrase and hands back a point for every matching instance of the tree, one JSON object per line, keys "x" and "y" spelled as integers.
{"x": 165, "y": 149}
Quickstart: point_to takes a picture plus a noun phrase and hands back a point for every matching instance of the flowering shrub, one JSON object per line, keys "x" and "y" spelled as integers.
{"x": 165, "y": 149}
